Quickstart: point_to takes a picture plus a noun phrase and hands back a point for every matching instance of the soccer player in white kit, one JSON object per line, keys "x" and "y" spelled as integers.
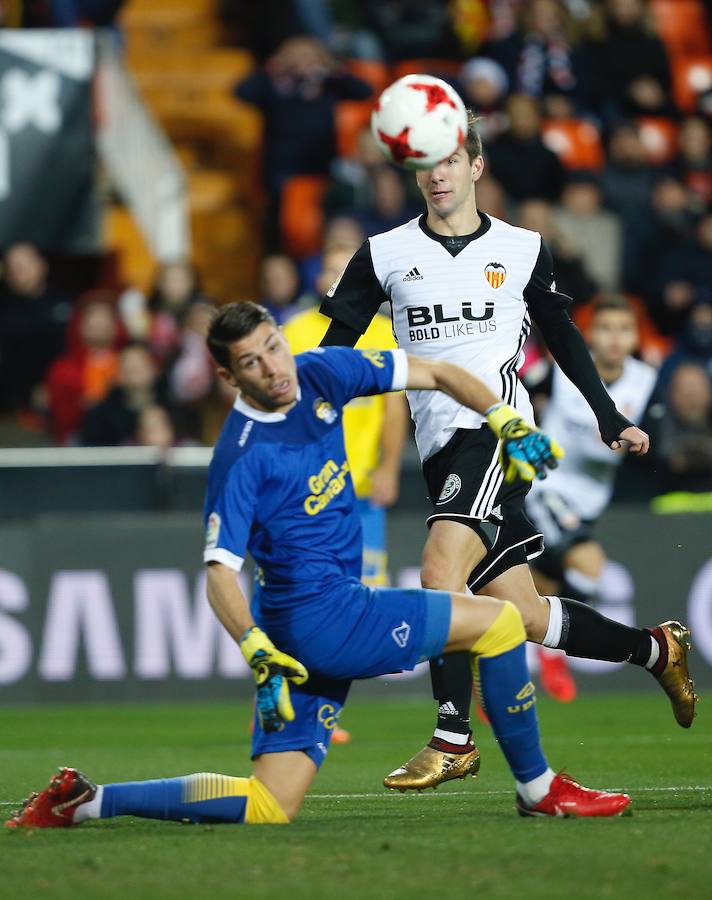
{"x": 566, "y": 508}
{"x": 465, "y": 286}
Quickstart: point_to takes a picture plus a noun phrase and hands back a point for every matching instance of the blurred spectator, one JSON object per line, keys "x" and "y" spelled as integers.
{"x": 491, "y": 197}
{"x": 84, "y": 374}
{"x": 33, "y": 322}
{"x": 114, "y": 420}
{"x": 350, "y": 183}
{"x": 279, "y": 286}
{"x": 595, "y": 233}
{"x": 483, "y": 86}
{"x": 539, "y": 57}
{"x": 297, "y": 91}
{"x": 627, "y": 182}
{"x": 694, "y": 343}
{"x": 192, "y": 373}
{"x": 519, "y": 159}
{"x": 570, "y": 273}
{"x": 389, "y": 204}
{"x": 410, "y": 29}
{"x": 683, "y": 277}
{"x": 629, "y": 70}
{"x": 693, "y": 164}
{"x": 684, "y": 442}
{"x": 339, "y": 230}
{"x": 154, "y": 428}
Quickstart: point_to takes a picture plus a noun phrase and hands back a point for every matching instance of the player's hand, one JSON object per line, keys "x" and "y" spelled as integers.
{"x": 384, "y": 486}
{"x": 524, "y": 451}
{"x": 272, "y": 670}
{"x": 634, "y": 440}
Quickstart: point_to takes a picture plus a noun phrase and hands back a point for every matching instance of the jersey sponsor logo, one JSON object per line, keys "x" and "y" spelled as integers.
{"x": 428, "y": 324}
{"x": 245, "y": 433}
{"x": 325, "y": 411}
{"x": 375, "y": 357}
{"x": 326, "y": 485}
{"x": 495, "y": 273}
{"x": 401, "y": 634}
{"x": 451, "y": 488}
{"x": 413, "y": 275}
{"x": 212, "y": 532}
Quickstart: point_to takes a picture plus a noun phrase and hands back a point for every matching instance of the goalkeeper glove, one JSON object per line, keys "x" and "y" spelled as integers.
{"x": 524, "y": 451}
{"x": 272, "y": 670}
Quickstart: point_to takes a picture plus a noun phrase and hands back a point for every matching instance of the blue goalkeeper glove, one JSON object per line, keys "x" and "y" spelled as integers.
{"x": 272, "y": 670}
{"x": 524, "y": 451}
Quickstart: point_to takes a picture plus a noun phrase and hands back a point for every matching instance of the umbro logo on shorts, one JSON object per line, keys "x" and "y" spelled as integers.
{"x": 413, "y": 275}
{"x": 401, "y": 634}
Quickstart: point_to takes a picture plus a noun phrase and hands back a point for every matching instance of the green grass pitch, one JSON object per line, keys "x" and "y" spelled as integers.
{"x": 353, "y": 839}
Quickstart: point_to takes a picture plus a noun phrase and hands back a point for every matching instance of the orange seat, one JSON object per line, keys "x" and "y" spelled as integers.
{"x": 302, "y": 215}
{"x": 370, "y": 70}
{"x": 683, "y": 26}
{"x": 659, "y": 138}
{"x": 351, "y": 117}
{"x": 691, "y": 77}
{"x": 438, "y": 67}
{"x": 575, "y": 141}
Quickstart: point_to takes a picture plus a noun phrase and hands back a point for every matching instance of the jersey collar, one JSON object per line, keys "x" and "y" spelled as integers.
{"x": 455, "y": 243}
{"x": 260, "y": 415}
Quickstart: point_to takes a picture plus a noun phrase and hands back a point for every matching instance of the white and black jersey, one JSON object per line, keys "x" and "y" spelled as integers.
{"x": 584, "y": 478}
{"x": 459, "y": 299}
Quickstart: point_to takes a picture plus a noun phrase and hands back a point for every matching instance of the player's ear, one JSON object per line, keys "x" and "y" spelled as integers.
{"x": 478, "y": 167}
{"x": 227, "y": 376}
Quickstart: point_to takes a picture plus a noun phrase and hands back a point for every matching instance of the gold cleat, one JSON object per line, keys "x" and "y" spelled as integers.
{"x": 430, "y": 767}
{"x": 675, "y": 678}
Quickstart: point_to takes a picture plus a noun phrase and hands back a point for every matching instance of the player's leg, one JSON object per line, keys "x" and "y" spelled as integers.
{"x": 272, "y": 795}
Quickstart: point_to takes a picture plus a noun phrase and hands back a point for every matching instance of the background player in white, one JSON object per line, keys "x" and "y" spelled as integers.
{"x": 462, "y": 286}
{"x": 566, "y": 508}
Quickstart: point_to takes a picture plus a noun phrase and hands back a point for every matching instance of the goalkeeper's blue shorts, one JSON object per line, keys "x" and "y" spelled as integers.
{"x": 361, "y": 634}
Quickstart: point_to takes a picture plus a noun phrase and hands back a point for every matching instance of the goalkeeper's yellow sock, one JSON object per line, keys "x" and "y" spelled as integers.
{"x": 203, "y": 797}
{"x": 508, "y": 696}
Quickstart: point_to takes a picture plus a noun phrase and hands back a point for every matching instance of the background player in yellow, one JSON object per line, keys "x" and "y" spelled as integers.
{"x": 375, "y": 427}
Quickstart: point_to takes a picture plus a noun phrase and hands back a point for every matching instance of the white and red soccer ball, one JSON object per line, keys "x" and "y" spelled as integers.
{"x": 418, "y": 121}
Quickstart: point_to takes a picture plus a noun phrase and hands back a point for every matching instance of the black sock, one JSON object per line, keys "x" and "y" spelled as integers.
{"x": 587, "y": 633}
{"x": 451, "y": 676}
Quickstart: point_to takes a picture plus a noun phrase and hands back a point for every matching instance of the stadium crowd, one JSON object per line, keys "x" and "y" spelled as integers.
{"x": 588, "y": 139}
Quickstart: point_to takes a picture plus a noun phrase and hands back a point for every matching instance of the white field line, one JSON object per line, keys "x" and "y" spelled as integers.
{"x": 683, "y": 788}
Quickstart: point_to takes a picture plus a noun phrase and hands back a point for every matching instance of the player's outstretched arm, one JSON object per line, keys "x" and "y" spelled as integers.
{"x": 524, "y": 451}
{"x": 272, "y": 669}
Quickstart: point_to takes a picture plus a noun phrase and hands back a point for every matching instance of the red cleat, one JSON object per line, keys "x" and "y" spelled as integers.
{"x": 555, "y": 675}
{"x": 341, "y": 736}
{"x": 56, "y": 805}
{"x": 567, "y": 798}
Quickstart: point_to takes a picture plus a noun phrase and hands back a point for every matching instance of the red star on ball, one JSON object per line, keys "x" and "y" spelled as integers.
{"x": 399, "y": 147}
{"x": 435, "y": 95}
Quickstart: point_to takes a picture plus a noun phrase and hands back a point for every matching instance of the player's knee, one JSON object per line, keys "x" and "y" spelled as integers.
{"x": 434, "y": 574}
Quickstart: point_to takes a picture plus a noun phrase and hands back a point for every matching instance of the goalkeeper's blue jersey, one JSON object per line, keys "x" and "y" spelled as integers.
{"x": 279, "y": 484}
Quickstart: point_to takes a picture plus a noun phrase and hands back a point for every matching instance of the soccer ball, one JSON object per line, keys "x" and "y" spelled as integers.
{"x": 419, "y": 121}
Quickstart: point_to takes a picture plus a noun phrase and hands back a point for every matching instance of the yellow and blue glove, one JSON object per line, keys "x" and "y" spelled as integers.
{"x": 524, "y": 451}
{"x": 272, "y": 670}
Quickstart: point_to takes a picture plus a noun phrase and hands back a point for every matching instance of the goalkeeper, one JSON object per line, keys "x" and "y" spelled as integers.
{"x": 279, "y": 486}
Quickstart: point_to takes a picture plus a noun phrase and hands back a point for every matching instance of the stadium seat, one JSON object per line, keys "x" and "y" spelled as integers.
{"x": 353, "y": 115}
{"x": 683, "y": 26}
{"x": 302, "y": 215}
{"x": 370, "y": 70}
{"x": 659, "y": 138}
{"x": 442, "y": 68}
{"x": 122, "y": 236}
{"x": 575, "y": 141}
{"x": 691, "y": 77}
{"x": 188, "y": 24}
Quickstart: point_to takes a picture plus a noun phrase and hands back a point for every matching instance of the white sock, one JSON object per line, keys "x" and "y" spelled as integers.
{"x": 452, "y": 737}
{"x": 654, "y": 653}
{"x": 534, "y": 791}
{"x": 91, "y": 809}
{"x": 556, "y": 618}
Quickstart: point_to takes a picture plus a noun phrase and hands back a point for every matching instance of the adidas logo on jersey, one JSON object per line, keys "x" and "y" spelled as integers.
{"x": 413, "y": 275}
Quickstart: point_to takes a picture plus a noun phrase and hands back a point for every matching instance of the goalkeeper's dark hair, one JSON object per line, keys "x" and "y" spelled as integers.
{"x": 231, "y": 323}
{"x": 473, "y": 141}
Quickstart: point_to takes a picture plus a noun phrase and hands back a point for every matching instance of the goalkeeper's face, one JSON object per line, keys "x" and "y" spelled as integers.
{"x": 263, "y": 369}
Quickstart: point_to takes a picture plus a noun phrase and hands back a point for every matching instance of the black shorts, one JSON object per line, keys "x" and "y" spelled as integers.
{"x": 561, "y": 526}
{"x": 466, "y": 484}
